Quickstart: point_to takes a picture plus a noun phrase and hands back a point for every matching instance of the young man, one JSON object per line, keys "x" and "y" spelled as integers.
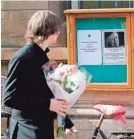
{"x": 26, "y": 90}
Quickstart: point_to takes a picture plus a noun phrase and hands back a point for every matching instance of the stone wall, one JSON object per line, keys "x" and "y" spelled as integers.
{"x": 15, "y": 16}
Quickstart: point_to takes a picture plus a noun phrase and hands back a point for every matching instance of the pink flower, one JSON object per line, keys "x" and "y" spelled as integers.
{"x": 62, "y": 73}
{"x": 74, "y": 69}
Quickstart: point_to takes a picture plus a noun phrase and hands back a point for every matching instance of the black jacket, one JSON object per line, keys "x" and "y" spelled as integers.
{"x": 27, "y": 92}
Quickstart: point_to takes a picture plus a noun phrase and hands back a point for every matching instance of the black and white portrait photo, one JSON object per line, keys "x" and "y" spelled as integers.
{"x": 114, "y": 39}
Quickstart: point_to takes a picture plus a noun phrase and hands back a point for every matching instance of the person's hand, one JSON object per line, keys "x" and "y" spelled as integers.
{"x": 71, "y": 131}
{"x": 58, "y": 106}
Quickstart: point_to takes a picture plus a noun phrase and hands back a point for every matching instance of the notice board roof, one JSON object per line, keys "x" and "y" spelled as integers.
{"x": 112, "y": 10}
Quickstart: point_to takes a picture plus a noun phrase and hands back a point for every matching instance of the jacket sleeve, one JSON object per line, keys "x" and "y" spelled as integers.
{"x": 68, "y": 123}
{"x": 17, "y": 90}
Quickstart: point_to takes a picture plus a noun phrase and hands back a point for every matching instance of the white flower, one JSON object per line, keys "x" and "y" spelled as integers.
{"x": 68, "y": 78}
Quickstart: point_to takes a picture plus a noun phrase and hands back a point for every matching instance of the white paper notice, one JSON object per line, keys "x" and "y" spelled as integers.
{"x": 114, "y": 56}
{"x": 114, "y": 47}
{"x": 89, "y": 47}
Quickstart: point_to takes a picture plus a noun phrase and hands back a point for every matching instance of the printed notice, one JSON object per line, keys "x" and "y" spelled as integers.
{"x": 114, "y": 56}
{"x": 89, "y": 47}
{"x": 114, "y": 48}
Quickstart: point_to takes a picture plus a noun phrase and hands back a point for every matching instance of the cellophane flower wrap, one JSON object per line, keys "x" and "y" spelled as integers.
{"x": 67, "y": 82}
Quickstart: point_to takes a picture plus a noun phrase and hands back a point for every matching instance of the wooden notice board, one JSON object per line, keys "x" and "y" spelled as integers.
{"x": 132, "y": 43}
{"x": 100, "y": 41}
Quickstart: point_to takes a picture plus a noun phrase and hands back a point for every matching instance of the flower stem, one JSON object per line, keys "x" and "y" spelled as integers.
{"x": 60, "y": 131}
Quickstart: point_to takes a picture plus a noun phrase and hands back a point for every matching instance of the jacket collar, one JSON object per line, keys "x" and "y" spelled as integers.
{"x": 39, "y": 55}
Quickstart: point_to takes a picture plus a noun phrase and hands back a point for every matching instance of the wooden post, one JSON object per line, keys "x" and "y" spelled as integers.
{"x": 132, "y": 44}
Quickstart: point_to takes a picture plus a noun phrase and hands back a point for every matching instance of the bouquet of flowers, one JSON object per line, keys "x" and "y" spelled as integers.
{"x": 67, "y": 82}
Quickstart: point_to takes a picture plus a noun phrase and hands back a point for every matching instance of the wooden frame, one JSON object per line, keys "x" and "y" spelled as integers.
{"x": 72, "y": 15}
{"x": 132, "y": 44}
